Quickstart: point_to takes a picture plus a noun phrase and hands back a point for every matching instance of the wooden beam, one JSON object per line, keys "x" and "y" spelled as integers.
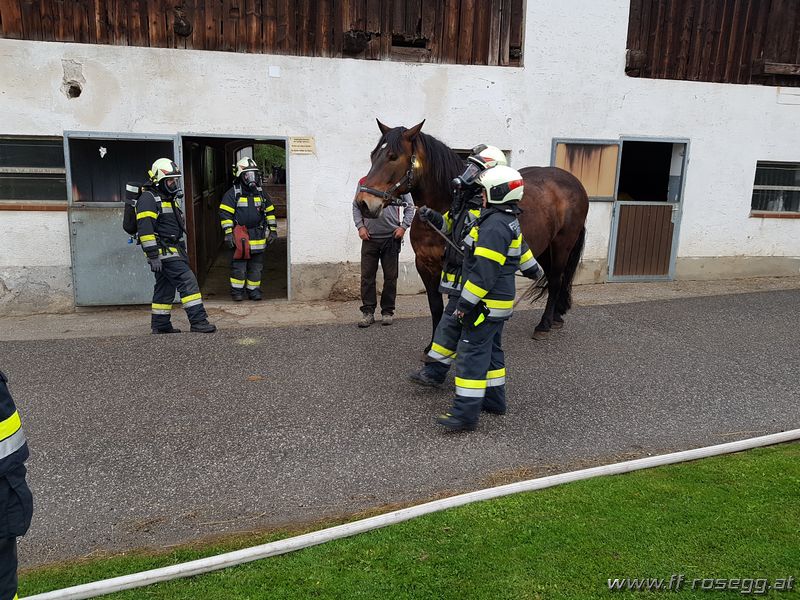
{"x": 761, "y": 67}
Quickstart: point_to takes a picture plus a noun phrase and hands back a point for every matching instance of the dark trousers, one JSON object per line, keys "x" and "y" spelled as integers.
{"x": 387, "y": 251}
{"x": 480, "y": 371}
{"x": 16, "y": 508}
{"x": 247, "y": 273}
{"x": 176, "y": 275}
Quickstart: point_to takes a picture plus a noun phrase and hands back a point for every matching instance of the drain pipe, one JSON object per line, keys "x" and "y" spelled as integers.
{"x": 230, "y": 559}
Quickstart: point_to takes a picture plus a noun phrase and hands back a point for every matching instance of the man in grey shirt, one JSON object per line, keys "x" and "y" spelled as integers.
{"x": 381, "y": 240}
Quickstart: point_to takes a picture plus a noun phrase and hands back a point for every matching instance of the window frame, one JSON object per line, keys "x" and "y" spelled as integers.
{"x": 774, "y": 214}
{"x": 37, "y": 203}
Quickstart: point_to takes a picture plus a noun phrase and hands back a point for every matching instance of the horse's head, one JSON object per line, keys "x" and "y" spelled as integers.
{"x": 395, "y": 167}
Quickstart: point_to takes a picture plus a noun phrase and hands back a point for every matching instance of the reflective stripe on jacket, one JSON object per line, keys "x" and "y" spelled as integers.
{"x": 492, "y": 258}
{"x": 252, "y": 211}
{"x": 13, "y": 445}
{"x": 157, "y": 221}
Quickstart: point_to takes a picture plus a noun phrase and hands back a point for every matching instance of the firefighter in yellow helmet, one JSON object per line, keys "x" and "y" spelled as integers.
{"x": 248, "y": 220}
{"x": 161, "y": 228}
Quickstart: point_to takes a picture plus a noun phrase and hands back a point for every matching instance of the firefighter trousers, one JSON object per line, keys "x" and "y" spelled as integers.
{"x": 17, "y": 505}
{"x": 480, "y": 372}
{"x": 445, "y": 338}
{"x": 176, "y": 275}
{"x": 247, "y": 273}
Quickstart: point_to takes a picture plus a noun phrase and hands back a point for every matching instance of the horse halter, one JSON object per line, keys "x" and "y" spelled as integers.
{"x": 391, "y": 193}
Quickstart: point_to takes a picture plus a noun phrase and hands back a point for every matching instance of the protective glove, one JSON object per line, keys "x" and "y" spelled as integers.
{"x": 535, "y": 273}
{"x": 474, "y": 317}
{"x": 431, "y": 216}
{"x": 273, "y": 235}
{"x": 229, "y": 240}
{"x": 155, "y": 264}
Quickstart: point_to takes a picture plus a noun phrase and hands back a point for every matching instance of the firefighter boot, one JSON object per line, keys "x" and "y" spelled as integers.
{"x": 237, "y": 295}
{"x": 167, "y": 329}
{"x": 203, "y": 327}
{"x": 432, "y": 374}
{"x": 254, "y": 294}
{"x": 454, "y": 423}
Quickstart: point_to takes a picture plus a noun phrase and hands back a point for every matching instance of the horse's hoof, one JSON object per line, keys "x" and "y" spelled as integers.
{"x": 558, "y": 325}
{"x": 540, "y": 335}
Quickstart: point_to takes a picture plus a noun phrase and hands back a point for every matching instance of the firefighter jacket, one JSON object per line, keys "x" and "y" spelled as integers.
{"x": 452, "y": 269}
{"x": 160, "y": 225}
{"x": 494, "y": 249}
{"x": 255, "y": 212}
{"x": 13, "y": 446}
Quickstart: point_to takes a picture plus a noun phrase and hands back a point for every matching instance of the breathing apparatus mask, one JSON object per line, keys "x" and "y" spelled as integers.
{"x": 251, "y": 180}
{"x": 171, "y": 186}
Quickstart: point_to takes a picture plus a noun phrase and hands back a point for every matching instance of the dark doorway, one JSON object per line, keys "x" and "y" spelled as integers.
{"x": 646, "y": 210}
{"x": 208, "y": 174}
{"x": 644, "y": 171}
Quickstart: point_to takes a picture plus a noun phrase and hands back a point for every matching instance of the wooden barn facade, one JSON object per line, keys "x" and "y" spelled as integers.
{"x": 679, "y": 116}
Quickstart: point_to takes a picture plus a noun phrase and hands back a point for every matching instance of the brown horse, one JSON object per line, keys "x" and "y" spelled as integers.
{"x": 553, "y": 218}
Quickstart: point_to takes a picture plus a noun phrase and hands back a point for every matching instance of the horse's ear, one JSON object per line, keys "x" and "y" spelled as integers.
{"x": 384, "y": 128}
{"x": 410, "y": 134}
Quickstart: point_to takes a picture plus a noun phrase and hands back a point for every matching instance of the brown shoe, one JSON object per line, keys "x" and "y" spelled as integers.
{"x": 367, "y": 319}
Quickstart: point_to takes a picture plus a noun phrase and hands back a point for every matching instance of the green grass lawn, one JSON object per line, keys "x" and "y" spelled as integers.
{"x": 736, "y": 516}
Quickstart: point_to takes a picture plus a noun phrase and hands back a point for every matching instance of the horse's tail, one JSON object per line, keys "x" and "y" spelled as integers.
{"x": 538, "y": 288}
{"x": 564, "y": 302}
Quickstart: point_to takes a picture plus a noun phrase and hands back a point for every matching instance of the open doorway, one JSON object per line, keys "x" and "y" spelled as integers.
{"x": 646, "y": 211}
{"x": 208, "y": 173}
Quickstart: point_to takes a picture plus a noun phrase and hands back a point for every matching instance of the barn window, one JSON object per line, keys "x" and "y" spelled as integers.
{"x": 594, "y": 163}
{"x": 776, "y": 187}
{"x": 32, "y": 169}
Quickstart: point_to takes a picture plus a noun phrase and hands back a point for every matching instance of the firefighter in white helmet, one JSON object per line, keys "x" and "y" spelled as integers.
{"x": 458, "y": 223}
{"x": 161, "y": 228}
{"x": 486, "y": 301}
{"x": 248, "y": 220}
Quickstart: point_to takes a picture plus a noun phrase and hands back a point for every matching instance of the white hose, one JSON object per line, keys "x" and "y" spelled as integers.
{"x": 221, "y": 561}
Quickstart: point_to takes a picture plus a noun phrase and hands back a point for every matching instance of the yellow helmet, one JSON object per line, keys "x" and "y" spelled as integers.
{"x": 243, "y": 165}
{"x": 163, "y": 168}
{"x": 502, "y": 184}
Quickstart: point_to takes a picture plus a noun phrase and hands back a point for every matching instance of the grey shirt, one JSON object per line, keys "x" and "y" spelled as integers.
{"x": 384, "y": 226}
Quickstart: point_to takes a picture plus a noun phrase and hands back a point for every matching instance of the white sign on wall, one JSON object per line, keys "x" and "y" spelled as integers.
{"x": 302, "y": 145}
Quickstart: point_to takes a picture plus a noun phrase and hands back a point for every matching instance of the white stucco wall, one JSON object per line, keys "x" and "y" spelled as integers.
{"x": 573, "y": 85}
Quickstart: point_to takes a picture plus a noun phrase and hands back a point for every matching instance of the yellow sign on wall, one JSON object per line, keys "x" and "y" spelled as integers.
{"x": 302, "y": 145}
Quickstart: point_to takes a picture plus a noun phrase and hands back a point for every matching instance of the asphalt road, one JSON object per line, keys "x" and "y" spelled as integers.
{"x": 154, "y": 440}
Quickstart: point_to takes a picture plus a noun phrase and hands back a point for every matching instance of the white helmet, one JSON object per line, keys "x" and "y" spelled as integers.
{"x": 243, "y": 165}
{"x": 483, "y": 157}
{"x": 487, "y": 157}
{"x": 246, "y": 170}
{"x": 166, "y": 175}
{"x": 163, "y": 168}
{"x": 502, "y": 184}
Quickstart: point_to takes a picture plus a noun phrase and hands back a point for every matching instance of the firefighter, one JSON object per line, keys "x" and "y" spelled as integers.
{"x": 486, "y": 301}
{"x": 161, "y": 228}
{"x": 457, "y": 223}
{"x": 246, "y": 207}
{"x": 16, "y": 500}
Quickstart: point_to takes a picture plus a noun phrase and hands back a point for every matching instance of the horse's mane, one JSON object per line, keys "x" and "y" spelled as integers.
{"x": 441, "y": 163}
